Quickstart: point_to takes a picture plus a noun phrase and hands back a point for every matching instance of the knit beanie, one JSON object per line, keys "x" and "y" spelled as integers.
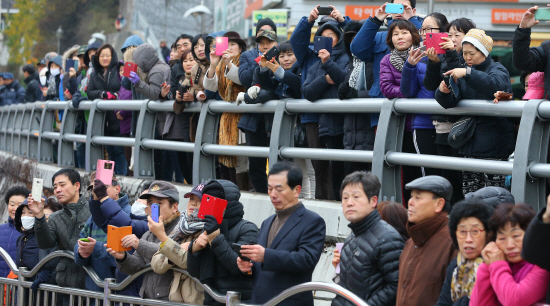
{"x": 480, "y": 40}
{"x": 265, "y": 21}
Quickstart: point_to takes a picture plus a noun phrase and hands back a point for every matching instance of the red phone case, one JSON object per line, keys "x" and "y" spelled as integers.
{"x": 258, "y": 59}
{"x": 103, "y": 174}
{"x": 212, "y": 206}
{"x": 129, "y": 67}
{"x": 433, "y": 40}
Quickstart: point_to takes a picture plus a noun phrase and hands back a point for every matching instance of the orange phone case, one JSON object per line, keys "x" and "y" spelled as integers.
{"x": 115, "y": 235}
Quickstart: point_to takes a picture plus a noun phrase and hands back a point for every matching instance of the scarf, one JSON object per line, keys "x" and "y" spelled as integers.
{"x": 188, "y": 225}
{"x": 358, "y": 70}
{"x": 464, "y": 277}
{"x": 398, "y": 58}
{"x": 229, "y": 132}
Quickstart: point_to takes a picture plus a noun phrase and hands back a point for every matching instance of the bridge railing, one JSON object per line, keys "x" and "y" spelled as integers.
{"x": 27, "y": 130}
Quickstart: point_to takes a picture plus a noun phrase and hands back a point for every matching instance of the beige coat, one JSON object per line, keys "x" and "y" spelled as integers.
{"x": 183, "y": 289}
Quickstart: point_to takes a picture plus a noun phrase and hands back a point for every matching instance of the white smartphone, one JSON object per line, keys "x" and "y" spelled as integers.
{"x": 37, "y": 187}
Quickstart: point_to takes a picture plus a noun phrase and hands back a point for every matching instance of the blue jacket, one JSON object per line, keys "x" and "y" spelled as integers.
{"x": 369, "y": 45}
{"x": 28, "y": 252}
{"x": 247, "y": 65}
{"x": 412, "y": 86}
{"x": 108, "y": 212}
{"x": 12, "y": 94}
{"x": 8, "y": 241}
{"x": 305, "y": 56}
{"x": 316, "y": 86}
{"x": 291, "y": 257}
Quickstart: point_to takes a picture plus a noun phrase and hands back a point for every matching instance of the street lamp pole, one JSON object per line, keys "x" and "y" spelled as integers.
{"x": 59, "y": 34}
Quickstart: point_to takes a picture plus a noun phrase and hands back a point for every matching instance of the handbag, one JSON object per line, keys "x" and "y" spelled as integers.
{"x": 300, "y": 139}
{"x": 462, "y": 131}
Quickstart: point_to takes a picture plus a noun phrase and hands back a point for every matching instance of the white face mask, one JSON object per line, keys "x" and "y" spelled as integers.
{"x": 54, "y": 71}
{"x": 43, "y": 80}
{"x": 138, "y": 209}
{"x": 27, "y": 222}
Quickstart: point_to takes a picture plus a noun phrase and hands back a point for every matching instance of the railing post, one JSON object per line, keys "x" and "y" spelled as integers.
{"x": 20, "y": 290}
{"x": 65, "y": 155}
{"x": 26, "y": 127}
{"x": 11, "y": 127}
{"x": 96, "y": 124}
{"x": 4, "y": 127}
{"x": 389, "y": 137}
{"x": 16, "y": 134}
{"x": 233, "y": 298}
{"x": 45, "y": 146}
{"x": 204, "y": 166}
{"x": 34, "y": 130}
{"x": 282, "y": 132}
{"x": 107, "y": 291}
{"x": 531, "y": 147}
{"x": 144, "y": 161}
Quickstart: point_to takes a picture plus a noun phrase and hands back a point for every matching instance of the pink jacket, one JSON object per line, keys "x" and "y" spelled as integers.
{"x": 495, "y": 286}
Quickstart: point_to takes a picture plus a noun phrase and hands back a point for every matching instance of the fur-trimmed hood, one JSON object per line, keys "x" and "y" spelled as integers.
{"x": 69, "y": 54}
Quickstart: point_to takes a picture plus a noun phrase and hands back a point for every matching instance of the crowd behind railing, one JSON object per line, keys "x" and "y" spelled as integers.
{"x": 356, "y": 60}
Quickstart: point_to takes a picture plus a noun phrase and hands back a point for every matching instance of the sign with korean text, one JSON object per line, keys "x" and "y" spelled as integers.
{"x": 506, "y": 16}
{"x": 360, "y": 12}
{"x": 279, "y": 17}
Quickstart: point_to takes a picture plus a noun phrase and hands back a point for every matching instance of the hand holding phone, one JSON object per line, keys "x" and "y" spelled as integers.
{"x": 324, "y": 10}
{"x": 37, "y": 188}
{"x": 237, "y": 248}
{"x": 321, "y": 43}
{"x": 542, "y": 14}
{"x": 222, "y": 44}
{"x": 129, "y": 67}
{"x": 155, "y": 212}
{"x": 273, "y": 52}
{"x": 105, "y": 171}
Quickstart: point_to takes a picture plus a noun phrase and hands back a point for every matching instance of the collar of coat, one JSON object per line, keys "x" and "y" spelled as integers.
{"x": 365, "y": 224}
{"x": 422, "y": 232}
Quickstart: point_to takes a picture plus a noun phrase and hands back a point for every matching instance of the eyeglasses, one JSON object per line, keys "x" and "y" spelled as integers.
{"x": 427, "y": 30}
{"x": 476, "y": 232}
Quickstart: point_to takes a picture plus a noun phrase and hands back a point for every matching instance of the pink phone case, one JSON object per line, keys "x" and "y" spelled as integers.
{"x": 222, "y": 44}
{"x": 433, "y": 40}
{"x": 105, "y": 170}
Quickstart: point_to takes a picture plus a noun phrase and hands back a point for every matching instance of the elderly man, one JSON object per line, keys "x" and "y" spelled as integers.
{"x": 427, "y": 254}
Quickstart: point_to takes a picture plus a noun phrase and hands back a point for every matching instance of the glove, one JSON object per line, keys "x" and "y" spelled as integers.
{"x": 40, "y": 279}
{"x": 210, "y": 224}
{"x": 352, "y": 93}
{"x": 343, "y": 90}
{"x": 134, "y": 77}
{"x": 104, "y": 95}
{"x": 240, "y": 98}
{"x": 111, "y": 96}
{"x": 253, "y": 92}
{"x": 100, "y": 190}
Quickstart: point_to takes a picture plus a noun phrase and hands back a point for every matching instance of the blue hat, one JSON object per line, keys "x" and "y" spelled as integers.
{"x": 7, "y": 75}
{"x": 133, "y": 40}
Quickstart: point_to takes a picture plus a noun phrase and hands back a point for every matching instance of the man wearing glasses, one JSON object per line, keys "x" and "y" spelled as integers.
{"x": 427, "y": 254}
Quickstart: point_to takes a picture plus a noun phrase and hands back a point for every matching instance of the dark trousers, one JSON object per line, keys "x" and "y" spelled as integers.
{"x": 257, "y": 165}
{"x": 455, "y": 177}
{"x": 171, "y": 167}
{"x": 185, "y": 160}
{"x": 323, "y": 173}
{"x": 338, "y": 168}
{"x": 420, "y": 141}
{"x": 128, "y": 154}
{"x": 116, "y": 154}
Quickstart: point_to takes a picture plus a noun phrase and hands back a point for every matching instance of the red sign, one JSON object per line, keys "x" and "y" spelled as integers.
{"x": 252, "y": 5}
{"x": 506, "y": 16}
{"x": 360, "y": 12}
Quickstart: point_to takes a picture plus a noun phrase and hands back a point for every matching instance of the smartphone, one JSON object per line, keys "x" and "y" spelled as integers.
{"x": 454, "y": 86}
{"x": 182, "y": 89}
{"x": 273, "y": 52}
{"x": 433, "y": 40}
{"x": 324, "y": 10}
{"x": 37, "y": 188}
{"x": 155, "y": 212}
{"x": 69, "y": 63}
{"x": 222, "y": 44}
{"x": 212, "y": 206}
{"x": 105, "y": 171}
{"x": 237, "y": 248}
{"x": 76, "y": 64}
{"x": 321, "y": 42}
{"x": 84, "y": 239}
{"x": 129, "y": 67}
{"x": 542, "y": 14}
{"x": 394, "y": 8}
{"x": 421, "y": 48}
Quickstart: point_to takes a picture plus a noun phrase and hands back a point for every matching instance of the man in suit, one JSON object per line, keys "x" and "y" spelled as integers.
{"x": 290, "y": 241}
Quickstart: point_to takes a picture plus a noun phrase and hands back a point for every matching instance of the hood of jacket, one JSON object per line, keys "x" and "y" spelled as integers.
{"x": 123, "y": 201}
{"x": 209, "y": 39}
{"x": 31, "y": 77}
{"x": 492, "y": 196}
{"x": 134, "y": 40}
{"x": 145, "y": 56}
{"x": 235, "y": 209}
{"x": 334, "y": 27}
{"x": 69, "y": 55}
{"x": 353, "y": 26}
{"x": 93, "y": 46}
{"x": 114, "y": 61}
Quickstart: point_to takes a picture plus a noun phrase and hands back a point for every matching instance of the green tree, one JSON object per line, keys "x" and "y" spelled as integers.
{"x": 23, "y": 31}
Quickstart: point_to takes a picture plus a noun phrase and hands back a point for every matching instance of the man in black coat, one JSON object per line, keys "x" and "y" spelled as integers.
{"x": 373, "y": 243}
{"x": 535, "y": 242}
{"x": 290, "y": 241}
{"x": 33, "y": 92}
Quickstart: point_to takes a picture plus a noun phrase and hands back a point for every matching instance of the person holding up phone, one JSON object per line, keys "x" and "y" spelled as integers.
{"x": 531, "y": 59}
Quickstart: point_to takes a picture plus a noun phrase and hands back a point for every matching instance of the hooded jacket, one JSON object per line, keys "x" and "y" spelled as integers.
{"x": 93, "y": 46}
{"x": 8, "y": 241}
{"x": 145, "y": 56}
{"x": 28, "y": 252}
{"x": 216, "y": 265}
{"x": 33, "y": 92}
{"x": 316, "y": 86}
{"x": 53, "y": 81}
{"x": 102, "y": 82}
{"x": 494, "y": 137}
{"x": 13, "y": 93}
{"x": 124, "y": 95}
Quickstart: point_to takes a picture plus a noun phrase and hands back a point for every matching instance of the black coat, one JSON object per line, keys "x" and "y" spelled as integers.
{"x": 177, "y": 73}
{"x": 536, "y": 249}
{"x": 28, "y": 252}
{"x": 101, "y": 83}
{"x": 494, "y": 137}
{"x": 216, "y": 265}
{"x": 291, "y": 258}
{"x": 531, "y": 59}
{"x": 369, "y": 262}
{"x": 33, "y": 92}
{"x": 445, "y": 296}
{"x": 247, "y": 66}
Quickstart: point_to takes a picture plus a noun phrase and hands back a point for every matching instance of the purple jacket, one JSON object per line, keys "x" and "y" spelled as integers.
{"x": 126, "y": 123}
{"x": 391, "y": 86}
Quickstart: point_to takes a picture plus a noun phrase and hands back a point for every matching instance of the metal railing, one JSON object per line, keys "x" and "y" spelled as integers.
{"x": 27, "y": 130}
{"x": 21, "y": 288}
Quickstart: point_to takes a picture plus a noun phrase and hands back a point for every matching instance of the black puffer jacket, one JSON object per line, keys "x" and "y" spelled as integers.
{"x": 101, "y": 82}
{"x": 532, "y": 59}
{"x": 216, "y": 265}
{"x": 369, "y": 263}
{"x": 494, "y": 137}
{"x": 492, "y": 196}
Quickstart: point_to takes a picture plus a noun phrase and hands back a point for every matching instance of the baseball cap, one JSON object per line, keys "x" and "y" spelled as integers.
{"x": 161, "y": 189}
{"x": 269, "y": 34}
{"x": 197, "y": 190}
{"x": 82, "y": 50}
{"x": 326, "y": 19}
{"x": 42, "y": 62}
